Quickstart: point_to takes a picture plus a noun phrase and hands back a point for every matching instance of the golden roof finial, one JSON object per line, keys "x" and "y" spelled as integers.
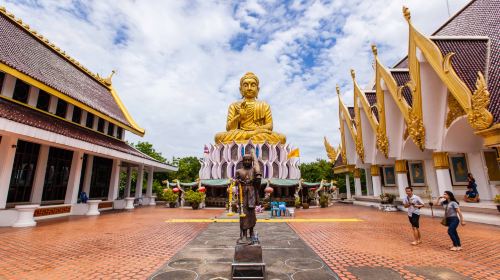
{"x": 353, "y": 74}
{"x": 338, "y": 89}
{"x": 374, "y": 50}
{"x": 107, "y": 81}
{"x": 406, "y": 13}
{"x": 2, "y": 9}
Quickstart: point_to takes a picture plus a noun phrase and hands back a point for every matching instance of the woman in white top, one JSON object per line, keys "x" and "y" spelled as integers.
{"x": 452, "y": 212}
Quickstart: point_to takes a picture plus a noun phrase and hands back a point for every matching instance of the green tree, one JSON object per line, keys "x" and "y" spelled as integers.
{"x": 147, "y": 148}
{"x": 189, "y": 168}
{"x": 317, "y": 170}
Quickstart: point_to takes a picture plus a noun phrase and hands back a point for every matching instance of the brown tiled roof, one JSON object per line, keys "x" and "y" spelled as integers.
{"x": 481, "y": 18}
{"x": 402, "y": 77}
{"x": 27, "y": 54}
{"x": 21, "y": 114}
{"x": 464, "y": 50}
{"x": 372, "y": 100}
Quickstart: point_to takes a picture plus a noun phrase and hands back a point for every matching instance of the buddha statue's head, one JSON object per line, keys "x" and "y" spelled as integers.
{"x": 249, "y": 86}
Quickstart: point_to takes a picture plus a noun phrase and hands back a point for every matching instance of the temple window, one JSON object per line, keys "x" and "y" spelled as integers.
{"x": 119, "y": 133}
{"x": 234, "y": 152}
{"x": 111, "y": 129}
{"x": 57, "y": 174}
{"x": 77, "y": 115}
{"x": 43, "y": 101}
{"x": 90, "y": 120}
{"x": 61, "y": 108}
{"x": 224, "y": 170}
{"x": 276, "y": 170}
{"x": 2, "y": 77}
{"x": 101, "y": 176}
{"x": 100, "y": 125}
{"x": 265, "y": 152}
{"x": 21, "y": 91}
{"x": 23, "y": 171}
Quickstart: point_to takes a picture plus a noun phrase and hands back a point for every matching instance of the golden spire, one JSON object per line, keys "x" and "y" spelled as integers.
{"x": 406, "y": 13}
{"x": 374, "y": 50}
{"x": 338, "y": 90}
{"x": 107, "y": 81}
{"x": 353, "y": 74}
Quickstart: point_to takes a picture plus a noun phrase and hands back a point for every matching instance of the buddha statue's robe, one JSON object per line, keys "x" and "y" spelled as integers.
{"x": 255, "y": 123}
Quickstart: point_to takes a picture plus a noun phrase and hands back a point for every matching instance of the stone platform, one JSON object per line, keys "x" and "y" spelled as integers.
{"x": 210, "y": 255}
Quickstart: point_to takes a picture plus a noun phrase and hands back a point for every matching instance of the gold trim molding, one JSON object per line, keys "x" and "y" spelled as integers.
{"x": 360, "y": 150}
{"x": 343, "y": 169}
{"x": 440, "y": 160}
{"x": 357, "y": 173}
{"x": 331, "y": 152}
{"x": 454, "y": 110}
{"x": 478, "y": 116}
{"x": 375, "y": 170}
{"x": 400, "y": 166}
{"x": 491, "y": 136}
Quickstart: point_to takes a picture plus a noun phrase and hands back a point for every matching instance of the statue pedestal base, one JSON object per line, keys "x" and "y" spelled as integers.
{"x": 248, "y": 262}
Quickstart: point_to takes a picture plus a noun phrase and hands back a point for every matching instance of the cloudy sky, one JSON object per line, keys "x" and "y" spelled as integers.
{"x": 179, "y": 62}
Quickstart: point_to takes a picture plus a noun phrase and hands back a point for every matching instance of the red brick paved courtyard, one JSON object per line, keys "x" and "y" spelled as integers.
{"x": 132, "y": 245}
{"x": 383, "y": 240}
{"x": 125, "y": 245}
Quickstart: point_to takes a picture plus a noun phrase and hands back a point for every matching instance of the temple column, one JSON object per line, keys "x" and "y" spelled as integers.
{"x": 8, "y": 152}
{"x": 369, "y": 183}
{"x": 401, "y": 177}
{"x": 129, "y": 182}
{"x": 348, "y": 186}
{"x": 74, "y": 177}
{"x": 377, "y": 183}
{"x": 357, "y": 182}
{"x": 114, "y": 184}
{"x": 442, "y": 166}
{"x": 138, "y": 183}
{"x": 39, "y": 179}
{"x": 88, "y": 175}
{"x": 149, "y": 186}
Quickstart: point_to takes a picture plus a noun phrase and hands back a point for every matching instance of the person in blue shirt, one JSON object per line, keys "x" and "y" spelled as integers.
{"x": 471, "y": 195}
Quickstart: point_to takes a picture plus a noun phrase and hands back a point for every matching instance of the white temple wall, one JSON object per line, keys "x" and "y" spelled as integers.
{"x": 430, "y": 177}
{"x": 394, "y": 125}
{"x": 434, "y": 101}
{"x": 460, "y": 138}
{"x": 369, "y": 138}
{"x": 350, "y": 146}
{"x": 412, "y": 152}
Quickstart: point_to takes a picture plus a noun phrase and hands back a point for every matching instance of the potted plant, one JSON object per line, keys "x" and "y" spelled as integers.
{"x": 194, "y": 198}
{"x": 297, "y": 202}
{"x": 170, "y": 197}
{"x": 387, "y": 202}
{"x": 323, "y": 200}
{"x": 497, "y": 201}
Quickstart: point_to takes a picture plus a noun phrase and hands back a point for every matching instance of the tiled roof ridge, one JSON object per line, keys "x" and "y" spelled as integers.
{"x": 106, "y": 82}
{"x": 453, "y": 17}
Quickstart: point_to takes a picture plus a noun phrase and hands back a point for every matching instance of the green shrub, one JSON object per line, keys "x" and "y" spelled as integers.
{"x": 169, "y": 196}
{"x": 194, "y": 198}
{"x": 323, "y": 200}
{"x": 387, "y": 198}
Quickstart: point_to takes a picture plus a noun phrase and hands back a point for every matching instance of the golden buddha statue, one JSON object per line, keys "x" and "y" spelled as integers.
{"x": 249, "y": 119}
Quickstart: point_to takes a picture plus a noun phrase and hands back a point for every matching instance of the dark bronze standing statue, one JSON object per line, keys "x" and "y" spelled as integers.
{"x": 249, "y": 178}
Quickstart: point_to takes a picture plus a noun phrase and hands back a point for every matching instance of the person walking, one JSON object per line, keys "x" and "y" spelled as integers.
{"x": 413, "y": 203}
{"x": 451, "y": 214}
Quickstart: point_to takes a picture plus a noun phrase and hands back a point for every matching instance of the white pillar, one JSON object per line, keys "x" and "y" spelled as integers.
{"x": 8, "y": 153}
{"x": 138, "y": 183}
{"x": 479, "y": 170}
{"x": 93, "y": 208}
{"x": 401, "y": 177}
{"x": 357, "y": 186}
{"x": 149, "y": 187}
{"x": 53, "y": 104}
{"x": 74, "y": 177}
{"x": 129, "y": 182}
{"x": 88, "y": 175}
{"x": 69, "y": 112}
{"x": 377, "y": 186}
{"x": 114, "y": 184}
{"x": 83, "y": 120}
{"x": 441, "y": 164}
{"x": 25, "y": 215}
{"x": 33, "y": 96}
{"x": 39, "y": 180}
{"x": 369, "y": 183}
{"x": 106, "y": 125}
{"x": 402, "y": 181}
{"x": 9, "y": 83}
{"x": 348, "y": 186}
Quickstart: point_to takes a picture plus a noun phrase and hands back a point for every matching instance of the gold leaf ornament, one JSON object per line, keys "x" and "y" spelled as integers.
{"x": 478, "y": 115}
{"x": 330, "y": 150}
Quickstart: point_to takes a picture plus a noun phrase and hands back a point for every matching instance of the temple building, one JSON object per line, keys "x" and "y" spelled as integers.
{"x": 433, "y": 117}
{"x": 62, "y": 131}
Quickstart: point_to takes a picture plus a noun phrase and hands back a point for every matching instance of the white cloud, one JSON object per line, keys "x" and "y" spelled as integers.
{"x": 177, "y": 72}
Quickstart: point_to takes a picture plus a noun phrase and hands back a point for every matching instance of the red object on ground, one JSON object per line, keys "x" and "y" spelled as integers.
{"x": 313, "y": 189}
{"x": 176, "y": 189}
{"x": 202, "y": 189}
